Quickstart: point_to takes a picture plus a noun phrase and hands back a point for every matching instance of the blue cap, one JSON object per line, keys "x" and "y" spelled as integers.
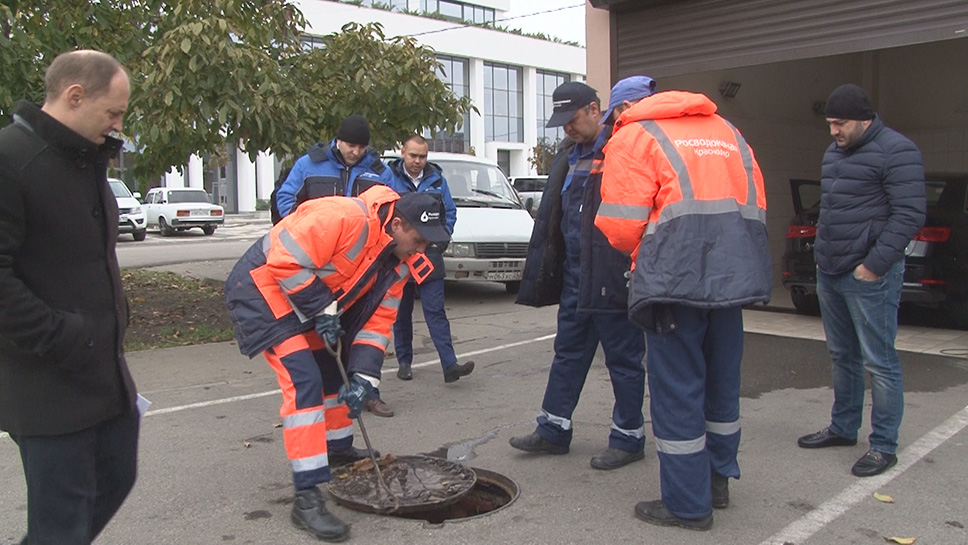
{"x": 632, "y": 89}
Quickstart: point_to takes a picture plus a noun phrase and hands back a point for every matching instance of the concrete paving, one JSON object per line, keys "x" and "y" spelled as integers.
{"x": 213, "y": 468}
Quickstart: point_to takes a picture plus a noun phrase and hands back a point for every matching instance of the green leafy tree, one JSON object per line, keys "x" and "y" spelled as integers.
{"x": 543, "y": 154}
{"x": 209, "y": 72}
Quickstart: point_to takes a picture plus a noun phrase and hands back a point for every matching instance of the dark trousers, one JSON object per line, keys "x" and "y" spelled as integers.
{"x": 432, "y": 300}
{"x": 76, "y": 482}
{"x": 694, "y": 385}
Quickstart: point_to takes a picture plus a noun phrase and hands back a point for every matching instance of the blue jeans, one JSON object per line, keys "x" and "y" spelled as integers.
{"x": 860, "y": 322}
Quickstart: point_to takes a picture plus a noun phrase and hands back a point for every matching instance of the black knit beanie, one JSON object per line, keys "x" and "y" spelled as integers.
{"x": 354, "y": 130}
{"x": 849, "y": 102}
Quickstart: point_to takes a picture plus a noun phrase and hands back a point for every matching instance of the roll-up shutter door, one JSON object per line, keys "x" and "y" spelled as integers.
{"x": 672, "y": 37}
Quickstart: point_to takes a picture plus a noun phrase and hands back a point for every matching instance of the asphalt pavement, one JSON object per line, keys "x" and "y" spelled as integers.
{"x": 213, "y": 468}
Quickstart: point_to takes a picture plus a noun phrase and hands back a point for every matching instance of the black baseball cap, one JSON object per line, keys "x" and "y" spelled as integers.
{"x": 568, "y": 98}
{"x": 425, "y": 211}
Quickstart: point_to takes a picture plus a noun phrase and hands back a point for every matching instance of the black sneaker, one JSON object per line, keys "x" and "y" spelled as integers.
{"x": 537, "y": 444}
{"x": 720, "y": 490}
{"x": 349, "y": 456}
{"x": 656, "y": 512}
{"x": 309, "y": 513}
{"x": 454, "y": 372}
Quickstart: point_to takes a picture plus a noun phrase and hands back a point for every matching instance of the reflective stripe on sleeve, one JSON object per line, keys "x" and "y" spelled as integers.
{"x": 624, "y": 211}
{"x": 291, "y": 283}
{"x": 690, "y": 446}
{"x": 373, "y": 338}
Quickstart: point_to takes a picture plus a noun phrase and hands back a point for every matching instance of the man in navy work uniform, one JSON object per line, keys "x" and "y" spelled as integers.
{"x": 345, "y": 167}
{"x": 571, "y": 264}
{"x": 412, "y": 173}
{"x": 871, "y": 206}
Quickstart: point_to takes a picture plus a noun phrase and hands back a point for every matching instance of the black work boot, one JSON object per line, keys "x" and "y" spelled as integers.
{"x": 720, "y": 491}
{"x": 309, "y": 513}
{"x": 537, "y": 444}
{"x": 454, "y": 372}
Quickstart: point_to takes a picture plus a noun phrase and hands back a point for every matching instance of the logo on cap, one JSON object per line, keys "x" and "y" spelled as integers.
{"x": 423, "y": 217}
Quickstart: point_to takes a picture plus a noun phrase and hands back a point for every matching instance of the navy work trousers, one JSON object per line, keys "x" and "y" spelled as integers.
{"x": 694, "y": 381}
{"x": 432, "y": 301}
{"x": 576, "y": 342}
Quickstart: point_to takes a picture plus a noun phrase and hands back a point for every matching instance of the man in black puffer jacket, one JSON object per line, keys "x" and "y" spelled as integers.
{"x": 872, "y": 205}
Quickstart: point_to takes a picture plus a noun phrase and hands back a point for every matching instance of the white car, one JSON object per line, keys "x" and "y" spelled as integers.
{"x": 530, "y": 188}
{"x": 490, "y": 239}
{"x": 131, "y": 215}
{"x": 173, "y": 209}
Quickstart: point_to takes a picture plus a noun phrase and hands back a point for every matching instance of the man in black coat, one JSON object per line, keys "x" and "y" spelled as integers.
{"x": 66, "y": 396}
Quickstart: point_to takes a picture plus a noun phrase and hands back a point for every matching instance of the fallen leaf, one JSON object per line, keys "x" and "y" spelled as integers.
{"x": 883, "y": 497}
{"x": 277, "y": 425}
{"x": 901, "y": 540}
{"x": 246, "y": 444}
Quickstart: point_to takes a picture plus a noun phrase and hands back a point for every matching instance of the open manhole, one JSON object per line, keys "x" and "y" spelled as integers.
{"x": 488, "y": 492}
{"x": 492, "y": 492}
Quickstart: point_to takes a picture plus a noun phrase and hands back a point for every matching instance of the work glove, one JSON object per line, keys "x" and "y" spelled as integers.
{"x": 327, "y": 326}
{"x": 353, "y": 394}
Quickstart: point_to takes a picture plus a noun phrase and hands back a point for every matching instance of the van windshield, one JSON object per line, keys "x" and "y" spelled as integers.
{"x": 478, "y": 182}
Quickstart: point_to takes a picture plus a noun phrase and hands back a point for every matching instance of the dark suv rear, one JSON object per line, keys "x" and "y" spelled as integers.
{"x": 936, "y": 261}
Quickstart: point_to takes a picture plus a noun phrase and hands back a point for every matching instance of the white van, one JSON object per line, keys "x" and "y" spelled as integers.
{"x": 490, "y": 239}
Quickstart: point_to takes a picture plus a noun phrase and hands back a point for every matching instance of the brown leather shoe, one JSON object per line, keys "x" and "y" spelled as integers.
{"x": 378, "y": 407}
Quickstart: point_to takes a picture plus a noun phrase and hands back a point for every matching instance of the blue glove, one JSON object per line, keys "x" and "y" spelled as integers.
{"x": 328, "y": 329}
{"x": 354, "y": 393}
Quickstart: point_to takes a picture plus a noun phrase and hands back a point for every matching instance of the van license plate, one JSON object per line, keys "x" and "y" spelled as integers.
{"x": 503, "y": 276}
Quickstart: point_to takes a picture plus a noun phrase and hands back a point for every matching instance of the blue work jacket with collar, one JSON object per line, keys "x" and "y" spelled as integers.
{"x": 322, "y": 172}
{"x": 602, "y": 284}
{"x": 432, "y": 180}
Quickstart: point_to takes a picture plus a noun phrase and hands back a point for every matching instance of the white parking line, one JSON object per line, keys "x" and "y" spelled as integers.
{"x": 803, "y": 528}
{"x": 222, "y": 401}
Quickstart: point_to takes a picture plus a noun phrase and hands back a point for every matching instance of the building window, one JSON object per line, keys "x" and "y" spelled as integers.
{"x": 547, "y": 82}
{"x": 503, "y": 103}
{"x": 455, "y": 73}
{"x": 391, "y": 5}
{"x": 458, "y": 11}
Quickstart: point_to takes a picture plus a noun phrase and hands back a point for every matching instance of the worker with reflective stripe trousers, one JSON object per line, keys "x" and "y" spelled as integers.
{"x": 333, "y": 269}
{"x": 683, "y": 195}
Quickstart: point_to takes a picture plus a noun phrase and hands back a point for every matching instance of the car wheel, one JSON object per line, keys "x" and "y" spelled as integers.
{"x": 512, "y": 287}
{"x": 209, "y": 229}
{"x": 805, "y": 304}
{"x": 957, "y": 310}
{"x": 140, "y": 235}
{"x": 166, "y": 230}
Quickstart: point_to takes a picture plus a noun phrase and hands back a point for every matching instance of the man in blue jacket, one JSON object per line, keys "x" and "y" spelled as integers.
{"x": 571, "y": 264}
{"x": 872, "y": 204}
{"x": 412, "y": 173}
{"x": 345, "y": 166}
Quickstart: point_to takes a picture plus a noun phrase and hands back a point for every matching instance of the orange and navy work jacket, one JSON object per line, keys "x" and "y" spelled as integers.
{"x": 333, "y": 248}
{"x": 683, "y": 195}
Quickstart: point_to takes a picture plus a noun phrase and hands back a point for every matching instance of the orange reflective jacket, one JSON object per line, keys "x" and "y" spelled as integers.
{"x": 333, "y": 248}
{"x": 683, "y": 194}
